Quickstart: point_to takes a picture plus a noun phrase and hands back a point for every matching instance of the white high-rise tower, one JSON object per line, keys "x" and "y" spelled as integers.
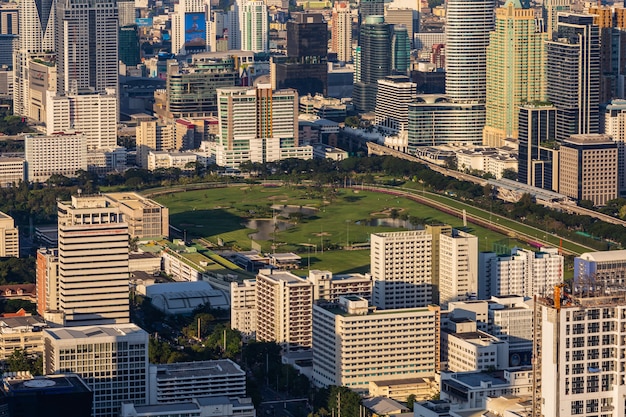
{"x": 190, "y": 26}
{"x": 254, "y": 26}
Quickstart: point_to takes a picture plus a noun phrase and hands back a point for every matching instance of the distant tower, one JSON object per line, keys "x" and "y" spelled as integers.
{"x": 550, "y": 11}
{"x": 538, "y": 162}
{"x": 341, "y": 42}
{"x": 189, "y": 27}
{"x": 400, "y": 50}
{"x": 254, "y": 27}
{"x": 515, "y": 68}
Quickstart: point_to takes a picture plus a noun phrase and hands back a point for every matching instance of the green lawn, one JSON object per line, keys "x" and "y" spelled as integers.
{"x": 343, "y": 218}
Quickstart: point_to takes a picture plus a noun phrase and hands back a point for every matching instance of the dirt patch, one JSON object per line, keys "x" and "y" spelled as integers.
{"x": 322, "y": 234}
{"x": 278, "y": 197}
{"x": 387, "y": 211}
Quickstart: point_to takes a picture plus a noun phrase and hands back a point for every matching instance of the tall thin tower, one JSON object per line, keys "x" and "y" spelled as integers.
{"x": 341, "y": 39}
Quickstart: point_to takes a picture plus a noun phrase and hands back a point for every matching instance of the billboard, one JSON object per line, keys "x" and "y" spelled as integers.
{"x": 144, "y": 22}
{"x": 195, "y": 30}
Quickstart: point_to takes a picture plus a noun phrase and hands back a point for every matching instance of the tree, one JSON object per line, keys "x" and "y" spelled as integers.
{"x": 352, "y": 121}
{"x": 452, "y": 163}
{"x": 216, "y": 341}
{"x": 410, "y": 400}
{"x": 348, "y": 400}
{"x": 510, "y": 174}
{"x": 20, "y": 360}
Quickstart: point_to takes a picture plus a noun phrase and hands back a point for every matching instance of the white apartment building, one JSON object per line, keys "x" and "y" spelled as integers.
{"x": 165, "y": 160}
{"x": 284, "y": 303}
{"x": 112, "y": 360}
{"x": 329, "y": 287}
{"x": 581, "y": 357}
{"x": 401, "y": 269}
{"x": 183, "y": 27}
{"x": 524, "y": 272}
{"x": 354, "y": 344}
{"x": 93, "y": 262}
{"x": 9, "y": 237}
{"x": 458, "y": 267}
{"x": 93, "y": 114}
{"x": 243, "y": 308}
{"x": 254, "y": 25}
{"x": 463, "y": 348}
{"x": 61, "y": 153}
{"x": 181, "y": 382}
{"x": 393, "y": 96}
{"x": 12, "y": 171}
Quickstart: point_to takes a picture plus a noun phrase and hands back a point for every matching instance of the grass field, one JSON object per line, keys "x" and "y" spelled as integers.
{"x": 340, "y": 219}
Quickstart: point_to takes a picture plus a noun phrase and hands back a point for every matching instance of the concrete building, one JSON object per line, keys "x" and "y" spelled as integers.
{"x": 12, "y": 171}
{"x": 458, "y": 267}
{"x": 112, "y": 360}
{"x": 182, "y": 382}
{"x": 538, "y": 154}
{"x": 341, "y": 31}
{"x": 397, "y": 345}
{"x": 600, "y": 268}
{"x": 329, "y": 287}
{"x": 393, "y": 96}
{"x": 254, "y": 23}
{"x": 47, "y": 280}
{"x": 153, "y": 136}
{"x": 189, "y": 27}
{"x": 578, "y": 354}
{"x": 515, "y": 70}
{"x": 550, "y": 10}
{"x": 588, "y": 168}
{"x": 523, "y": 272}
{"x": 164, "y": 160}
{"x": 196, "y": 407}
{"x": 9, "y": 237}
{"x": 93, "y": 262}
{"x": 284, "y": 303}
{"x": 146, "y": 218}
{"x": 22, "y": 332}
{"x": 401, "y": 269}
{"x": 61, "y": 153}
{"x": 613, "y": 123}
{"x": 243, "y": 308}
{"x": 185, "y": 297}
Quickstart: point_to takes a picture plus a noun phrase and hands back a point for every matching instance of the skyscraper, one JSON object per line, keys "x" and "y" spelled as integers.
{"x": 400, "y": 50}
{"x": 189, "y": 27}
{"x": 550, "y": 10}
{"x": 468, "y": 25}
{"x": 515, "y": 68}
{"x": 573, "y": 75}
{"x": 93, "y": 262}
{"x": 341, "y": 32}
{"x": 373, "y": 61}
{"x": 538, "y": 161}
{"x": 86, "y": 42}
{"x": 254, "y": 26}
{"x": 370, "y": 8}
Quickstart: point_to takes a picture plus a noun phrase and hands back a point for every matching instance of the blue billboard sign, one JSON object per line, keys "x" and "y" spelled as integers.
{"x": 143, "y": 22}
{"x": 195, "y": 30}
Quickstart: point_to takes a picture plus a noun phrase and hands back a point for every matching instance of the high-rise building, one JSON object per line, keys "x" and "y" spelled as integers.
{"x": 397, "y": 345}
{"x": 401, "y": 269}
{"x": 224, "y": 31}
{"x": 458, "y": 267}
{"x": 86, "y": 42}
{"x": 515, "y": 70}
{"x": 600, "y": 268}
{"x": 189, "y": 27}
{"x": 129, "y": 52}
{"x": 370, "y": 8}
{"x": 573, "y": 75}
{"x": 577, "y": 354}
{"x": 61, "y": 154}
{"x": 284, "y": 303}
{"x": 153, "y": 136}
{"x": 538, "y": 160}
{"x": 254, "y": 26}
{"x": 406, "y": 17}
{"x": 47, "y": 278}
{"x": 341, "y": 32}
{"x": 127, "y": 12}
{"x": 373, "y": 61}
{"x": 400, "y": 50}
{"x": 468, "y": 24}
{"x": 93, "y": 262}
{"x": 550, "y": 11}
{"x": 112, "y": 360}
{"x": 393, "y": 96}
{"x": 257, "y": 124}
{"x": 613, "y": 123}
{"x": 243, "y": 308}
{"x": 523, "y": 272}
{"x": 9, "y": 19}
{"x": 588, "y": 168}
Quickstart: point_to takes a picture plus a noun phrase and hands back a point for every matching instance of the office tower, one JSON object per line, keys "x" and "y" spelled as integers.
{"x": 126, "y": 12}
{"x": 613, "y": 123}
{"x": 257, "y": 124}
{"x": 112, "y": 360}
{"x": 86, "y": 42}
{"x": 369, "y": 8}
{"x": 189, "y": 27}
{"x": 284, "y": 303}
{"x": 515, "y": 69}
{"x": 93, "y": 262}
{"x": 523, "y": 272}
{"x": 468, "y": 24}
{"x": 406, "y": 17}
{"x": 394, "y": 94}
{"x": 341, "y": 32}
{"x": 9, "y": 19}
{"x": 373, "y": 61}
{"x": 92, "y": 114}
{"x": 305, "y": 68}
{"x": 550, "y": 11}
{"x": 438, "y": 121}
{"x": 181, "y": 382}
{"x": 254, "y": 26}
{"x": 588, "y": 168}
{"x": 129, "y": 52}
{"x": 458, "y": 267}
{"x": 59, "y": 395}
{"x": 57, "y": 154}
{"x": 573, "y": 75}
{"x": 577, "y": 354}
{"x": 224, "y": 31}
{"x": 397, "y": 345}
{"x": 401, "y": 269}
{"x": 36, "y": 21}
{"x": 538, "y": 160}
{"x": 47, "y": 279}
{"x": 400, "y": 50}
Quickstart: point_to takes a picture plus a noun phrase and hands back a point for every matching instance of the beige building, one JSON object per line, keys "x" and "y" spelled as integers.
{"x": 341, "y": 31}
{"x": 93, "y": 262}
{"x": 12, "y": 171}
{"x": 243, "y": 308}
{"x": 153, "y": 136}
{"x": 354, "y": 344}
{"x": 329, "y": 287}
{"x": 165, "y": 160}
{"x": 21, "y": 332}
{"x": 59, "y": 153}
{"x": 9, "y": 237}
{"x": 458, "y": 267}
{"x": 284, "y": 303}
{"x": 146, "y": 218}
{"x": 588, "y": 168}
{"x": 47, "y": 272}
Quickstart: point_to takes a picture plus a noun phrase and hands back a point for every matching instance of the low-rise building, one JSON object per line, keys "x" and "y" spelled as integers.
{"x": 196, "y": 407}
{"x": 185, "y": 297}
{"x": 59, "y": 153}
{"x": 23, "y": 332}
{"x": 165, "y": 160}
{"x": 464, "y": 348}
{"x": 12, "y": 171}
{"x": 329, "y": 287}
{"x": 9, "y": 237}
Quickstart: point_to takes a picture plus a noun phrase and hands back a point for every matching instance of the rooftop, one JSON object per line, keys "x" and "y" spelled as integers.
{"x": 198, "y": 369}
{"x": 94, "y": 332}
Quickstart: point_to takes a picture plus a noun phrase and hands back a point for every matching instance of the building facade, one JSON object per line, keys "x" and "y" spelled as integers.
{"x": 458, "y": 267}
{"x": 538, "y": 154}
{"x": 393, "y": 96}
{"x": 341, "y": 31}
{"x": 60, "y": 154}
